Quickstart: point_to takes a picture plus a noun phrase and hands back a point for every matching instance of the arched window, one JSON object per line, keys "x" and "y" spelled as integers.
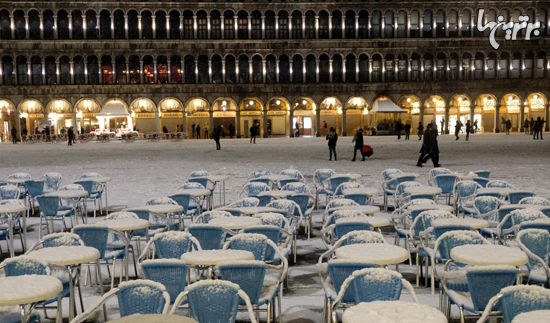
{"x": 270, "y": 25}
{"x": 296, "y": 24}
{"x": 175, "y": 69}
{"x": 230, "y": 72}
{"x": 310, "y": 25}
{"x": 133, "y": 24}
{"x": 271, "y": 69}
{"x": 242, "y": 25}
{"x": 107, "y": 69}
{"x": 93, "y": 70}
{"x": 452, "y": 17}
{"x": 428, "y": 67}
{"x": 148, "y": 70}
{"x": 50, "y": 69}
{"x": 540, "y": 65}
{"x": 389, "y": 68}
{"x": 376, "y": 75}
{"x": 78, "y": 63}
{"x": 5, "y": 25}
{"x": 337, "y": 69}
{"x": 229, "y": 25}
{"x": 7, "y": 66}
{"x": 36, "y": 70}
{"x": 78, "y": 31}
{"x": 146, "y": 25}
{"x": 454, "y": 67}
{"x": 402, "y": 24}
{"x": 297, "y": 69}
{"x": 503, "y": 64}
{"x": 92, "y": 27}
{"x": 22, "y": 76}
{"x": 120, "y": 70}
{"x": 257, "y": 69}
{"x": 311, "y": 68}
{"x": 118, "y": 18}
{"x": 441, "y": 66}
{"x": 440, "y": 23}
{"x": 363, "y": 68}
{"x": 19, "y": 22}
{"x": 162, "y": 69}
{"x": 478, "y": 66}
{"x": 466, "y": 66}
{"x": 363, "y": 28}
{"x": 188, "y": 25}
{"x": 203, "y": 69}
{"x": 215, "y": 25}
{"x": 323, "y": 25}
{"x": 202, "y": 25}
{"x": 62, "y": 24}
{"x": 349, "y": 24}
{"x": 244, "y": 70}
{"x": 427, "y": 24}
{"x": 105, "y": 24}
{"x": 491, "y": 67}
{"x": 376, "y": 24}
{"x": 283, "y": 25}
{"x": 284, "y": 69}
{"x": 388, "y": 24}
{"x": 515, "y": 66}
{"x": 64, "y": 71}
{"x": 160, "y": 25}
{"x": 466, "y": 23}
{"x": 217, "y": 74}
{"x": 324, "y": 69}
{"x": 402, "y": 68}
{"x": 415, "y": 24}
{"x": 256, "y": 32}
{"x": 336, "y": 24}
{"x": 350, "y": 68}
{"x": 415, "y": 68}
{"x": 34, "y": 25}
{"x": 174, "y": 23}
{"x": 133, "y": 67}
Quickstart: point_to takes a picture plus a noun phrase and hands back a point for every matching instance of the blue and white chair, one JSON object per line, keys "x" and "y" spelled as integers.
{"x": 446, "y": 182}
{"x": 353, "y": 237}
{"x": 260, "y": 173}
{"x": 256, "y": 243}
{"x": 340, "y": 190}
{"x": 509, "y": 225}
{"x": 293, "y": 173}
{"x": 134, "y": 297}
{"x": 465, "y": 193}
{"x": 205, "y": 217}
{"x": 245, "y": 202}
{"x": 436, "y": 172}
{"x": 482, "y": 283}
{"x": 389, "y": 173}
{"x": 171, "y": 273}
{"x": 53, "y": 180}
{"x": 214, "y": 301}
{"x": 305, "y": 209}
{"x": 170, "y": 244}
{"x": 389, "y": 186}
{"x": 17, "y": 226}
{"x": 51, "y": 210}
{"x": 498, "y": 184}
{"x": 320, "y": 177}
{"x": 536, "y": 244}
{"x": 198, "y": 173}
{"x": 95, "y": 193}
{"x": 373, "y": 284}
{"x": 486, "y": 207}
{"x": 209, "y": 236}
{"x": 336, "y": 204}
{"x": 191, "y": 206}
{"x": 482, "y": 173}
{"x": 253, "y": 189}
{"x": 535, "y": 200}
{"x": 482, "y": 181}
{"x": 33, "y": 189}
{"x": 333, "y": 182}
{"x": 281, "y": 237}
{"x": 516, "y": 196}
{"x": 400, "y": 195}
{"x": 298, "y": 187}
{"x": 171, "y": 221}
{"x": 515, "y": 300}
{"x": 11, "y": 192}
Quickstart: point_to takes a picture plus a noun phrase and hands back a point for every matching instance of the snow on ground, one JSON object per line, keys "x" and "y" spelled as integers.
{"x": 143, "y": 170}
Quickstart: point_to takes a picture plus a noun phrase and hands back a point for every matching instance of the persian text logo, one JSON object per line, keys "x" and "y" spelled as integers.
{"x": 511, "y": 28}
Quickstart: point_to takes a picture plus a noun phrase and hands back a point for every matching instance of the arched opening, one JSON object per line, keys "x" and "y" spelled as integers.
{"x": 77, "y": 25}
{"x": 197, "y": 111}
{"x": 251, "y": 114}
{"x": 384, "y": 115}
{"x": 202, "y": 25}
{"x": 296, "y": 24}
{"x": 311, "y": 69}
{"x": 434, "y": 110}
{"x": 92, "y": 27}
{"x": 62, "y": 24}
{"x": 337, "y": 69}
{"x": 452, "y": 18}
{"x": 176, "y": 75}
{"x": 36, "y": 70}
{"x": 31, "y": 115}
{"x": 460, "y": 108}
{"x": 303, "y": 120}
{"x": 229, "y": 25}
{"x": 283, "y": 25}
{"x": 257, "y": 69}
{"x": 331, "y": 115}
{"x": 118, "y": 24}
{"x": 363, "y": 28}
{"x": 350, "y": 69}
{"x": 146, "y": 25}
{"x": 230, "y": 69}
{"x": 120, "y": 69}
{"x": 376, "y": 74}
{"x": 7, "y": 119}
{"x": 336, "y": 24}
{"x": 114, "y": 118}
{"x": 414, "y": 24}
{"x": 310, "y": 24}
{"x": 284, "y": 69}
{"x": 298, "y": 68}
{"x": 277, "y": 117}
{"x": 22, "y": 74}
{"x": 243, "y": 70}
{"x": 104, "y": 24}
{"x": 143, "y": 116}
{"x": 79, "y": 72}
{"x": 376, "y": 24}
{"x": 60, "y": 116}
{"x": 86, "y": 110}
{"x": 160, "y": 25}
{"x": 323, "y": 25}
{"x": 189, "y": 69}
{"x": 510, "y": 109}
{"x": 536, "y": 106}
{"x": 349, "y": 24}
{"x": 388, "y": 24}
{"x": 225, "y": 116}
{"x": 174, "y": 25}
{"x": 485, "y": 105}
{"x": 7, "y": 70}
{"x": 270, "y": 32}
{"x": 215, "y": 25}
{"x": 242, "y": 25}
{"x": 389, "y": 68}
{"x": 402, "y": 68}
{"x": 148, "y": 70}
{"x": 188, "y": 28}
{"x": 34, "y": 24}
{"x": 5, "y": 24}
{"x": 93, "y": 70}
{"x": 107, "y": 69}
{"x": 363, "y": 68}
{"x": 356, "y": 109}
{"x": 171, "y": 115}
{"x": 217, "y": 69}
{"x": 415, "y": 68}
{"x": 256, "y": 21}
{"x": 411, "y": 104}
{"x": 270, "y": 69}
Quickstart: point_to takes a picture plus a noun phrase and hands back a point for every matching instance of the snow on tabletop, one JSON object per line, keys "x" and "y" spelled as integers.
{"x": 378, "y": 253}
{"x": 393, "y": 312}
{"x": 493, "y": 267}
{"x": 532, "y": 317}
{"x": 66, "y": 255}
{"x": 488, "y": 254}
{"x": 213, "y": 257}
{"x": 472, "y": 222}
{"x": 375, "y": 221}
{"x": 364, "y": 236}
{"x": 124, "y": 224}
{"x": 26, "y": 261}
{"x": 63, "y": 238}
{"x": 28, "y": 289}
{"x": 242, "y": 262}
{"x": 122, "y": 215}
{"x": 235, "y": 220}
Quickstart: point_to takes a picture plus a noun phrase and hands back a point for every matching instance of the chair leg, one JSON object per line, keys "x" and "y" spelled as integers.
{"x": 268, "y": 312}
{"x": 113, "y": 275}
{"x": 461, "y": 314}
{"x": 417, "y": 270}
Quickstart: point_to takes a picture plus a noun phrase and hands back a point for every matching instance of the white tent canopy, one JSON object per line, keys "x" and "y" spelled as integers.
{"x": 113, "y": 109}
{"x": 386, "y": 106}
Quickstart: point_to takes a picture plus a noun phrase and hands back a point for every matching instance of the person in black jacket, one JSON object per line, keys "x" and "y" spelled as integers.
{"x": 407, "y": 131}
{"x": 70, "y": 136}
{"x": 430, "y": 148}
{"x": 14, "y": 135}
{"x": 398, "y": 128}
{"x": 253, "y": 133}
{"x": 358, "y": 140}
{"x": 420, "y": 130}
{"x": 332, "y": 138}
{"x": 216, "y": 134}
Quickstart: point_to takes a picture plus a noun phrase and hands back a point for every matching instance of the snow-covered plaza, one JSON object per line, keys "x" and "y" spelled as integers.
{"x": 142, "y": 170}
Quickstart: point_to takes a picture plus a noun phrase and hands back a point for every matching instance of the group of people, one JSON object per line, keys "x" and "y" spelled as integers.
{"x": 534, "y": 127}
{"x": 399, "y": 126}
{"x": 332, "y": 138}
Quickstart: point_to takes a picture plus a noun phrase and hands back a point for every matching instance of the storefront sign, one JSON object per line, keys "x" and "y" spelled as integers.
{"x": 145, "y": 115}
{"x": 172, "y": 115}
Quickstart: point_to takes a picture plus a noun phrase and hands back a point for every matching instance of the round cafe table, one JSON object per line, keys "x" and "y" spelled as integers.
{"x": 352, "y": 176}
{"x": 488, "y": 254}
{"x": 8, "y": 210}
{"x": 235, "y": 222}
{"x": 153, "y": 318}
{"x": 373, "y": 221}
{"x": 502, "y": 191}
{"x": 30, "y": 289}
{"x": 361, "y": 190}
{"x": 277, "y": 194}
{"x": 211, "y": 258}
{"x": 393, "y": 312}
{"x": 103, "y": 180}
{"x": 532, "y": 317}
{"x": 165, "y": 210}
{"x": 424, "y": 207}
{"x": 68, "y": 257}
{"x": 365, "y": 209}
{"x": 380, "y": 254}
{"x": 194, "y": 192}
{"x": 432, "y": 190}
{"x": 473, "y": 223}
{"x": 251, "y": 210}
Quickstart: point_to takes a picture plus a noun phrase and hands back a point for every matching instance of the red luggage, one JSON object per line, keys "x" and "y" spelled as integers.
{"x": 367, "y": 150}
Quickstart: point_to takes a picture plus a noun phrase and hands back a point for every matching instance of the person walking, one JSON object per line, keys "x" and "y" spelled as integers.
{"x": 206, "y": 130}
{"x": 475, "y": 126}
{"x": 407, "y": 130}
{"x": 332, "y": 138}
{"x": 216, "y": 136}
{"x": 458, "y": 126}
{"x": 526, "y": 126}
{"x": 532, "y": 127}
{"x": 358, "y": 140}
{"x": 420, "y": 130}
{"x": 297, "y": 127}
{"x": 508, "y": 126}
{"x": 14, "y": 135}
{"x": 193, "y": 129}
{"x": 430, "y": 148}
{"x": 198, "y": 130}
{"x": 537, "y": 131}
{"x": 164, "y": 129}
{"x": 231, "y": 130}
{"x": 468, "y": 130}
{"x": 398, "y": 128}
{"x": 70, "y": 136}
{"x": 442, "y": 125}
{"x": 253, "y": 133}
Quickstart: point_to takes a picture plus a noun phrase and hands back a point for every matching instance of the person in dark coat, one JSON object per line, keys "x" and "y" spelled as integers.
{"x": 430, "y": 148}
{"x": 508, "y": 126}
{"x": 532, "y": 127}
{"x": 468, "y": 130}
{"x": 407, "y": 131}
{"x": 216, "y": 136}
{"x": 297, "y": 127}
{"x": 231, "y": 130}
{"x": 537, "y": 132}
{"x": 253, "y": 133}
{"x": 526, "y": 126}
{"x": 192, "y": 129}
{"x": 420, "y": 130}
{"x": 198, "y": 130}
{"x": 164, "y": 129}
{"x": 14, "y": 135}
{"x": 332, "y": 138}
{"x": 70, "y": 136}
{"x": 442, "y": 125}
{"x": 398, "y": 128}
{"x": 458, "y": 126}
{"x": 358, "y": 140}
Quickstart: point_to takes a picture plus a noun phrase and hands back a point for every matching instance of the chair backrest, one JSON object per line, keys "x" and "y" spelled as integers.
{"x": 373, "y": 284}
{"x": 337, "y": 203}
{"x": 260, "y": 173}
{"x": 275, "y": 219}
{"x": 360, "y": 237}
{"x": 455, "y": 238}
{"x": 72, "y": 187}
{"x": 34, "y": 187}
{"x": 521, "y": 298}
{"x": 339, "y": 270}
{"x": 9, "y": 192}
{"x": 200, "y": 180}
{"x": 481, "y": 181}
{"x": 265, "y": 181}
{"x": 93, "y": 236}
{"x": 446, "y": 182}
{"x": 213, "y": 301}
{"x": 340, "y": 190}
{"x": 337, "y": 181}
{"x": 288, "y": 207}
{"x": 284, "y": 181}
{"x": 206, "y": 216}
{"x": 536, "y": 244}
{"x": 436, "y": 172}
{"x": 482, "y": 173}
{"x": 183, "y": 199}
{"x": 484, "y": 282}
{"x": 342, "y": 213}
{"x": 291, "y": 172}
{"x": 209, "y": 236}
{"x": 272, "y": 232}
{"x": 90, "y": 175}
{"x": 297, "y": 187}
{"x": 160, "y": 201}
{"x": 121, "y": 215}
{"x": 198, "y": 173}
{"x": 49, "y": 205}
{"x": 343, "y": 227}
{"x": 192, "y": 185}
{"x": 19, "y": 176}
{"x": 61, "y": 239}
{"x": 392, "y": 184}
{"x": 466, "y": 189}
{"x": 519, "y": 216}
{"x": 24, "y": 265}
{"x": 52, "y": 181}
{"x": 302, "y": 200}
{"x": 387, "y": 174}
{"x": 253, "y": 189}
{"x": 359, "y": 198}
{"x": 535, "y": 200}
{"x": 88, "y": 185}
{"x": 400, "y": 189}
{"x": 253, "y": 242}
{"x": 172, "y": 273}
{"x": 486, "y": 206}
{"x": 498, "y": 183}
{"x": 321, "y": 175}
{"x": 515, "y": 197}
{"x": 141, "y": 297}
{"x": 429, "y": 216}
{"x": 248, "y": 275}
{"x": 250, "y": 201}
{"x": 173, "y": 244}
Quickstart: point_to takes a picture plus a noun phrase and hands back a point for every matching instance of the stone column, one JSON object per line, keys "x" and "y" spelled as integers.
{"x": 290, "y": 123}
{"x": 57, "y": 76}
{"x": 303, "y": 27}
{"x": 139, "y": 26}
{"x": 71, "y": 69}
{"x": 84, "y": 26}
{"x": 127, "y": 71}
{"x": 329, "y": 26}
{"x": 154, "y": 21}
{"x": 112, "y": 26}
{"x": 85, "y": 71}
{"x": 250, "y": 72}
{"x": 99, "y": 69}
{"x": 210, "y": 122}
{"x": 277, "y": 70}
{"x": 317, "y": 70}
{"x": 303, "y": 71}
{"x": 55, "y": 29}
{"x": 141, "y": 71}
{"x": 408, "y": 26}
{"x": 222, "y": 21}
{"x": 264, "y": 122}
{"x": 238, "y": 125}
{"x": 263, "y": 27}
{"x": 155, "y": 71}
{"x": 113, "y": 64}
{"x": 29, "y": 75}
{"x": 521, "y": 116}
{"x": 370, "y": 70}
{"x": 472, "y": 68}
{"x": 316, "y": 26}
{"x": 330, "y": 70}
{"x": 446, "y": 118}
{"x": 70, "y": 18}
{"x": 357, "y": 69}
{"x": 12, "y": 26}
{"x": 157, "y": 119}
{"x": 208, "y": 26}
{"x": 182, "y": 74}
{"x": 344, "y": 122}
{"x": 209, "y": 74}
{"x": 98, "y": 25}
{"x": 318, "y": 121}
{"x": 249, "y": 26}
{"x": 382, "y": 24}
{"x": 196, "y": 70}
{"x": 356, "y": 26}
{"x": 27, "y": 32}
{"x": 42, "y": 26}
{"x": 195, "y": 27}
{"x": 43, "y": 70}
{"x": 497, "y": 118}
{"x": 2, "y": 73}
{"x": 263, "y": 71}
{"x": 547, "y": 115}
{"x": 369, "y": 25}
{"x": 168, "y": 26}
{"x": 125, "y": 26}
{"x": 169, "y": 68}
{"x": 184, "y": 123}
